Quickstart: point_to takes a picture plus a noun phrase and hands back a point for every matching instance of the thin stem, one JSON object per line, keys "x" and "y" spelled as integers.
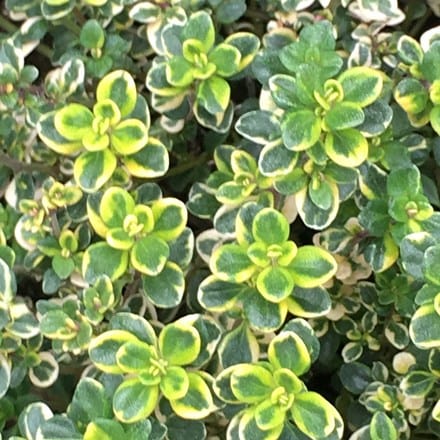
{"x": 419, "y": 24}
{"x": 6, "y": 25}
{"x": 72, "y": 26}
{"x": 179, "y": 169}
{"x": 17, "y": 166}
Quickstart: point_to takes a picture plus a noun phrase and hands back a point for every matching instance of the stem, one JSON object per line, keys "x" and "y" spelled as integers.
{"x": 72, "y": 26}
{"x": 54, "y": 223}
{"x": 419, "y": 24}
{"x": 17, "y": 166}
{"x": 179, "y": 169}
{"x": 6, "y": 25}
{"x": 79, "y": 16}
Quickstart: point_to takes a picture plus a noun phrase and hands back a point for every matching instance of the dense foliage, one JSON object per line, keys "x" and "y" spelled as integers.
{"x": 219, "y": 219}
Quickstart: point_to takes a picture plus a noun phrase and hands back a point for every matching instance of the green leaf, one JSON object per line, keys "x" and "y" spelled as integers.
{"x": 269, "y": 415}
{"x": 119, "y": 86}
{"x": 411, "y": 95}
{"x": 157, "y": 82}
{"x": 119, "y": 239}
{"x": 304, "y": 330}
{"x": 283, "y": 91}
{"x": 233, "y": 193}
{"x": 382, "y": 427}
{"x": 301, "y": 129}
{"x": 200, "y": 27}
{"x": 59, "y": 426}
{"x": 275, "y": 284}
{"x": 96, "y": 142}
{"x": 259, "y": 126}
{"x": 135, "y": 356}
{"x": 101, "y": 259}
{"x": 73, "y": 122}
{"x": 63, "y": 267}
{"x": 129, "y": 136}
{"x": 116, "y": 204}
{"x": 5, "y": 375}
{"x": 145, "y": 12}
{"x": 230, "y": 262}
{"x": 258, "y": 253}
{"x": 355, "y": 377}
{"x": 149, "y": 255}
{"x": 409, "y": 50}
{"x": 287, "y": 350}
{"x": 243, "y": 222}
{"x": 382, "y": 253}
{"x": 320, "y": 192}
{"x": 8, "y": 284}
{"x": 352, "y": 351}
{"x": 343, "y": 115}
{"x": 218, "y": 295}
{"x": 197, "y": 402}
{"x": 219, "y": 122}
{"x": 103, "y": 349}
{"x": 93, "y": 169}
{"x": 222, "y": 385}
{"x": 418, "y": 384}
{"x": 92, "y": 35}
{"x": 404, "y": 181}
{"x": 424, "y": 329}
{"x": 175, "y": 383}
{"x": 135, "y": 324}
{"x": 431, "y": 265}
{"x": 32, "y": 417}
{"x": 226, "y": 59}
{"x": 149, "y": 162}
{"x": 165, "y": 289}
{"x": 251, "y": 383}
{"x": 104, "y": 430}
{"x": 50, "y": 136}
{"x": 270, "y": 227}
{"x": 229, "y": 11}
{"x": 318, "y": 34}
{"x": 238, "y": 346}
{"x": 210, "y": 334}
{"x": 55, "y": 325}
{"x": 179, "y": 343}
{"x": 263, "y": 315}
{"x": 313, "y": 415}
{"x": 89, "y": 402}
{"x": 134, "y": 401}
{"x": 312, "y": 266}
{"x": 434, "y": 117}
{"x": 397, "y": 334}
{"x": 277, "y": 161}
{"x": 248, "y": 429}
{"x": 347, "y": 148}
{"x": 378, "y": 117}
{"x": 247, "y": 44}
{"x": 179, "y": 72}
{"x": 213, "y": 95}
{"x": 430, "y": 67}
{"x": 170, "y": 217}
{"x": 362, "y": 85}
{"x": 178, "y": 428}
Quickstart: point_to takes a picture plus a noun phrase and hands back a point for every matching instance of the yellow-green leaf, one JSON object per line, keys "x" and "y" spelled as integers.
{"x": 312, "y": 266}
{"x": 119, "y": 86}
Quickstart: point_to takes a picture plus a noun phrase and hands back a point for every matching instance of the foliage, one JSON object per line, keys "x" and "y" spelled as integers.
{"x": 219, "y": 219}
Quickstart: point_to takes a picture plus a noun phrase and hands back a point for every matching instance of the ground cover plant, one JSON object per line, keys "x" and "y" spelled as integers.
{"x": 219, "y": 219}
